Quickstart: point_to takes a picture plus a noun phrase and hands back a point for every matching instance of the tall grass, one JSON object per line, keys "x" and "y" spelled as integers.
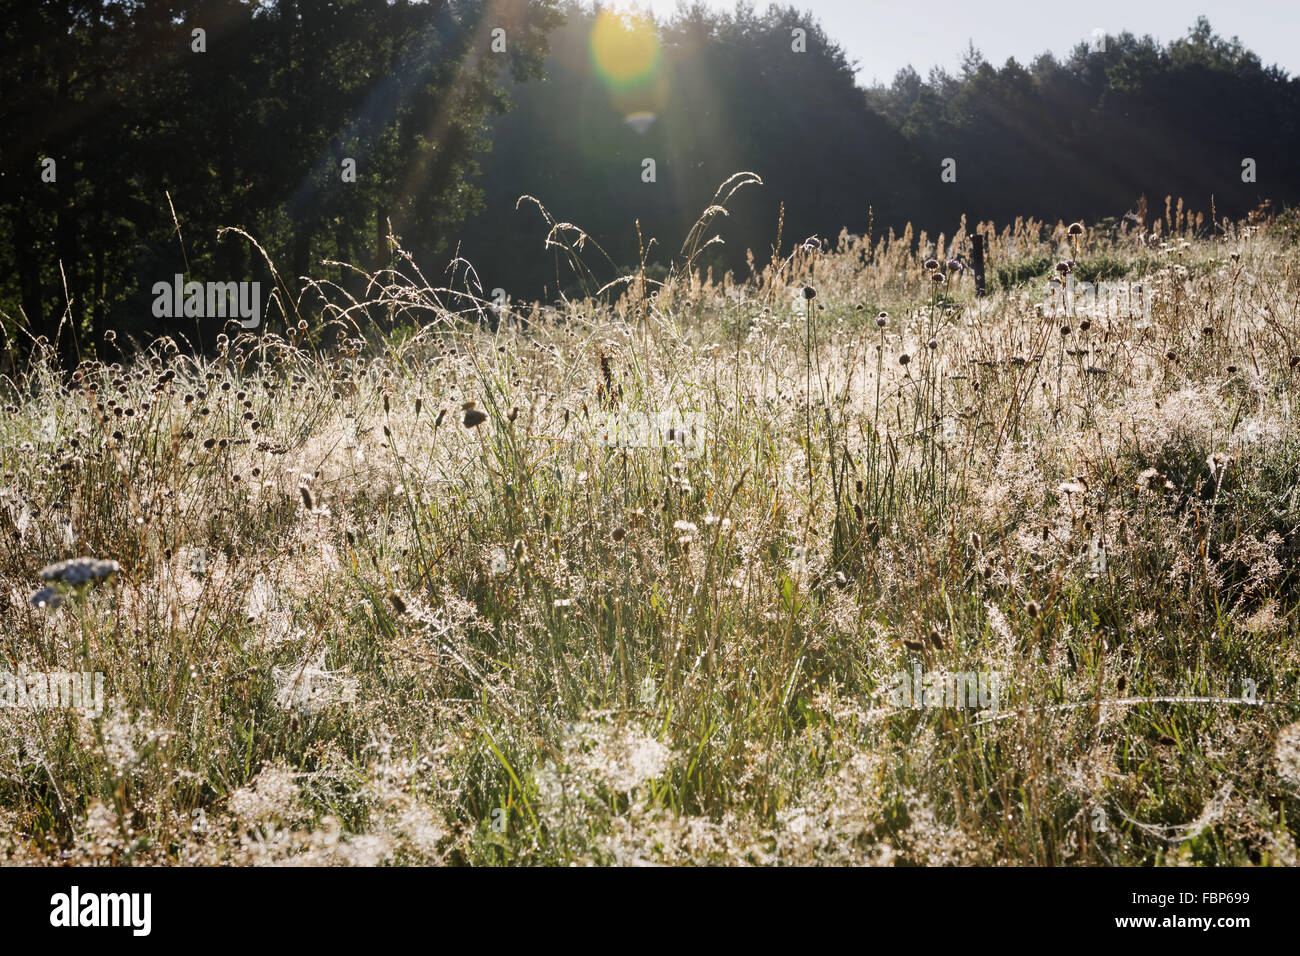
{"x": 361, "y": 620}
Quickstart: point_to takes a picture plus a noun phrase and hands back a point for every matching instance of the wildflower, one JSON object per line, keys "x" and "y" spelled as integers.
{"x": 474, "y": 417}
{"x": 70, "y": 575}
{"x": 881, "y": 319}
{"x": 809, "y": 292}
{"x": 1032, "y": 609}
{"x": 931, "y": 264}
{"x": 46, "y": 597}
{"x": 1076, "y": 229}
{"x": 78, "y": 571}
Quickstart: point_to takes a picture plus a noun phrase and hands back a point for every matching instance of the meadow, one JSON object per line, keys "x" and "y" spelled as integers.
{"x": 652, "y": 576}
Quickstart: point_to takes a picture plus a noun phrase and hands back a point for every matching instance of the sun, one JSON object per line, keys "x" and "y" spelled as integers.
{"x": 624, "y": 49}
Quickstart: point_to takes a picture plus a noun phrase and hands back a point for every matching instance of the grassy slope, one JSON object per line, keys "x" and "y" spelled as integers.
{"x": 350, "y": 628}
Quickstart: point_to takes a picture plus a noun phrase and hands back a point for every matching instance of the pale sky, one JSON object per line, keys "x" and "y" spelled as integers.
{"x": 886, "y": 36}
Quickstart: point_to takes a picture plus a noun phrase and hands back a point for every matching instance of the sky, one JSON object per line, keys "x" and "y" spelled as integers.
{"x": 883, "y": 37}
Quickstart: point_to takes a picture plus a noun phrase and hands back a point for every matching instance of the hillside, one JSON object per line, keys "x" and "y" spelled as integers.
{"x": 667, "y": 589}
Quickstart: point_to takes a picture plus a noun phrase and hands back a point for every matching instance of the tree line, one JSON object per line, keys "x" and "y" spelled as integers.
{"x": 135, "y": 131}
